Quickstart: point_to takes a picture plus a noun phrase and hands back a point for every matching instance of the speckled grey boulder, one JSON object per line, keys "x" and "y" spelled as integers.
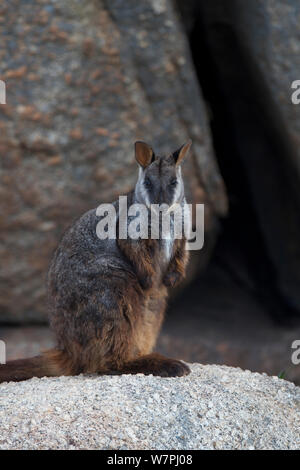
{"x": 215, "y": 407}
{"x": 84, "y": 81}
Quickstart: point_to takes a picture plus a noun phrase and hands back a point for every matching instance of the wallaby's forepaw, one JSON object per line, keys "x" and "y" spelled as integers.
{"x": 172, "y": 279}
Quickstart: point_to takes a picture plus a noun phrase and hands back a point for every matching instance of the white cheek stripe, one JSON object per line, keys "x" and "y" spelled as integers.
{"x": 145, "y": 195}
{"x": 140, "y": 188}
{"x": 179, "y": 188}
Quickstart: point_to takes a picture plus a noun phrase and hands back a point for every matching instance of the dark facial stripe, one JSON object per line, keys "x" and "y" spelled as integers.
{"x": 160, "y": 166}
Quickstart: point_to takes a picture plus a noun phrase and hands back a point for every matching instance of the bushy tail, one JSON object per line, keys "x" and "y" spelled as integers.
{"x": 51, "y": 363}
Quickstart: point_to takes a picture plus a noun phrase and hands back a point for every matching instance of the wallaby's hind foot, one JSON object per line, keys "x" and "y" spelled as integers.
{"x": 156, "y": 364}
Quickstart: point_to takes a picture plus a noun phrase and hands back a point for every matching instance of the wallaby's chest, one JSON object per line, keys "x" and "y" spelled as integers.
{"x": 166, "y": 244}
{"x": 168, "y": 249}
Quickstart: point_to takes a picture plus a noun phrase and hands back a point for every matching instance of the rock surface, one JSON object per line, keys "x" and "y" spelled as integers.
{"x": 215, "y": 407}
{"x": 84, "y": 80}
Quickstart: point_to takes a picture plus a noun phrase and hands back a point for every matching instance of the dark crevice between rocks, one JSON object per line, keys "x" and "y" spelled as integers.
{"x": 243, "y": 309}
{"x": 255, "y": 248}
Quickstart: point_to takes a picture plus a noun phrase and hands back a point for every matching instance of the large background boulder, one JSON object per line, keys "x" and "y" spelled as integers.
{"x": 212, "y": 408}
{"x": 84, "y": 80}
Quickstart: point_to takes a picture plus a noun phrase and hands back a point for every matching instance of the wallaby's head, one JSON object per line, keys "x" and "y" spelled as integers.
{"x": 160, "y": 180}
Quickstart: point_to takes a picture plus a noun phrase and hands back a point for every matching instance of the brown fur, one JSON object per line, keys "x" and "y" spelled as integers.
{"x": 107, "y": 299}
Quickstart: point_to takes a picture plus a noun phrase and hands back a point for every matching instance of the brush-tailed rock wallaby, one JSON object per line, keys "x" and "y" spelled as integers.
{"x": 107, "y": 297}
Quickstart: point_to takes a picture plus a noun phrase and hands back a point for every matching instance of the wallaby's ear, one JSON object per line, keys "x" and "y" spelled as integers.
{"x": 179, "y": 154}
{"x": 143, "y": 153}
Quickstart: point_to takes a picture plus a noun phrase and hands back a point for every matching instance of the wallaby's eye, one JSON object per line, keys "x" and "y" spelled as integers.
{"x": 173, "y": 182}
{"x": 147, "y": 183}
